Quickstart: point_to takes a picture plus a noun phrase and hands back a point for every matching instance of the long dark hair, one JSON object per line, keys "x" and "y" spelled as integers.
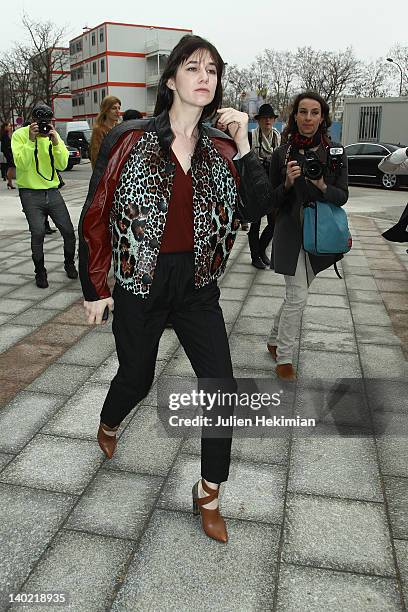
{"x": 181, "y": 52}
{"x": 291, "y": 126}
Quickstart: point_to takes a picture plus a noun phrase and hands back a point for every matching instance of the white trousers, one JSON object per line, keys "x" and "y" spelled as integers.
{"x": 287, "y": 320}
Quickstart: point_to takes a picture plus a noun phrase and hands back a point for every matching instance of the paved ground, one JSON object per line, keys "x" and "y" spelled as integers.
{"x": 317, "y": 523}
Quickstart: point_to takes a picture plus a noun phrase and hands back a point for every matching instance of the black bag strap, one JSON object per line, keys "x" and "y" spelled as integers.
{"x": 337, "y": 270}
{"x": 52, "y": 162}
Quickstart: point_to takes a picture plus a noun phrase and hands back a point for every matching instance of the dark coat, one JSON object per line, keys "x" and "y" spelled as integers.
{"x": 288, "y": 234}
{"x": 6, "y": 150}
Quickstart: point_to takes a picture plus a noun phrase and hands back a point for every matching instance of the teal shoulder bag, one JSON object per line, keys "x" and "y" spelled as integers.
{"x": 325, "y": 229}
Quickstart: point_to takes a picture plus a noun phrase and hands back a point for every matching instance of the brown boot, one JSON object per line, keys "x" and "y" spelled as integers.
{"x": 272, "y": 349}
{"x": 285, "y": 371}
{"x": 211, "y": 520}
{"x": 107, "y": 439}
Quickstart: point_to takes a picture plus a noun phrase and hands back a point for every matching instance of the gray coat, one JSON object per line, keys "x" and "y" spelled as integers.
{"x": 288, "y": 234}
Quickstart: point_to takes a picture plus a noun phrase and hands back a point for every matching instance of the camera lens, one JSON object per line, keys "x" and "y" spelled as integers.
{"x": 313, "y": 170}
{"x": 312, "y": 166}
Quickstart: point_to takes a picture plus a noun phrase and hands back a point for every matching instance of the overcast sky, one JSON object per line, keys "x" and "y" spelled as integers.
{"x": 240, "y": 29}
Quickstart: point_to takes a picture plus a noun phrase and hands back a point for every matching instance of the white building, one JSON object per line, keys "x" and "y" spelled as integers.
{"x": 375, "y": 120}
{"x": 118, "y": 59}
{"x": 61, "y": 99}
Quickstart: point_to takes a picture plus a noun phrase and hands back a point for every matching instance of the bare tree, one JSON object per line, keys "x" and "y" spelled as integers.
{"x": 340, "y": 69}
{"x": 310, "y": 70}
{"x": 282, "y": 79}
{"x": 399, "y": 53}
{"x": 236, "y": 84}
{"x": 48, "y": 59}
{"x": 372, "y": 80}
{"x": 16, "y": 96}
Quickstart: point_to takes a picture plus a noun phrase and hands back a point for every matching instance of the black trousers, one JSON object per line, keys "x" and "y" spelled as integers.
{"x": 197, "y": 320}
{"x": 37, "y": 205}
{"x": 258, "y": 244}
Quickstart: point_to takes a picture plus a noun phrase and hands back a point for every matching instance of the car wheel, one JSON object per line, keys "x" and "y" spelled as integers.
{"x": 389, "y": 181}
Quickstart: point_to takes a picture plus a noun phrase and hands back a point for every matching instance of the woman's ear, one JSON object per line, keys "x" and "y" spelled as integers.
{"x": 171, "y": 84}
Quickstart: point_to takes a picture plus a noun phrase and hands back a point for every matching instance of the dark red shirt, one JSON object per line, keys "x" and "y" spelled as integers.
{"x": 178, "y": 235}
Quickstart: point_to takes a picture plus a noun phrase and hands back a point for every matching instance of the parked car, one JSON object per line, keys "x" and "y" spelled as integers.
{"x": 363, "y": 160}
{"x": 74, "y": 157}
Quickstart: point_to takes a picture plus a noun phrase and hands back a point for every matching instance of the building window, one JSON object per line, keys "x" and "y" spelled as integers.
{"x": 93, "y": 39}
{"x": 369, "y": 123}
{"x": 103, "y": 94}
{"x": 93, "y": 67}
{"x": 101, "y": 35}
{"x": 74, "y": 102}
{"x": 102, "y": 65}
{"x": 95, "y": 97}
{"x": 78, "y": 46}
{"x": 73, "y": 75}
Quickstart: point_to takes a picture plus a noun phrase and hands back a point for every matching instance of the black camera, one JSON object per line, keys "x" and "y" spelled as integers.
{"x": 312, "y": 167}
{"x": 43, "y": 115}
{"x": 44, "y": 127}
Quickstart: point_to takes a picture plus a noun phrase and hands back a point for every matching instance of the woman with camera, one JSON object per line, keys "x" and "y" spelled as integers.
{"x": 307, "y": 170}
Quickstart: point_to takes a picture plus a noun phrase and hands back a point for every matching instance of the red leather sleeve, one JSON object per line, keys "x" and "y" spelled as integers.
{"x": 95, "y": 238}
{"x": 227, "y": 148}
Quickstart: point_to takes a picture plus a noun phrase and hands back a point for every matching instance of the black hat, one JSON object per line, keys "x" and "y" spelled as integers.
{"x": 42, "y": 112}
{"x": 266, "y": 110}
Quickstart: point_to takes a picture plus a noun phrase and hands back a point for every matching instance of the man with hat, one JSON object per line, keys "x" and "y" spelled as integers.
{"x": 39, "y": 153}
{"x": 264, "y": 140}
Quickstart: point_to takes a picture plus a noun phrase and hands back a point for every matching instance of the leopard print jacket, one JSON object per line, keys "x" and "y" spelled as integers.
{"x": 126, "y": 208}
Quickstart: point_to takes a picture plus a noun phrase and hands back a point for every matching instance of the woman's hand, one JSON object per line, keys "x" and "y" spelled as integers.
{"x": 293, "y": 171}
{"x": 320, "y": 184}
{"x": 94, "y": 310}
{"x": 237, "y": 123}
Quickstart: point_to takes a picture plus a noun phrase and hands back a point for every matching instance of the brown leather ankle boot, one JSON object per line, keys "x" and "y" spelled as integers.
{"x": 272, "y": 349}
{"x": 107, "y": 441}
{"x": 286, "y": 371}
{"x": 211, "y": 520}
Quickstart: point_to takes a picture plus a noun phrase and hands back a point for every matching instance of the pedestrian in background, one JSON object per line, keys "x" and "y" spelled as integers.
{"x": 3, "y": 165}
{"x": 263, "y": 140}
{"x": 107, "y": 118}
{"x": 306, "y": 130}
{"x": 6, "y": 131}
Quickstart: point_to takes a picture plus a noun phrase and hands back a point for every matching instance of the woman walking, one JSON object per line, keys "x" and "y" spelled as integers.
{"x": 108, "y": 117}
{"x": 168, "y": 188}
{"x": 5, "y": 138}
{"x": 306, "y": 131}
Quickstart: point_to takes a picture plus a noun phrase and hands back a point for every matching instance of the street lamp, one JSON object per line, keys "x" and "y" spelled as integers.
{"x": 389, "y": 59}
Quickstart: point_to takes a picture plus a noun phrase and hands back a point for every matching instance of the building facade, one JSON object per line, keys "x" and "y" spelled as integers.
{"x": 117, "y": 59}
{"x": 375, "y": 120}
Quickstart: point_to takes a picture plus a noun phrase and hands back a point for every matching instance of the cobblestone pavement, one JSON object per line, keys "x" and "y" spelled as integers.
{"x": 317, "y": 522}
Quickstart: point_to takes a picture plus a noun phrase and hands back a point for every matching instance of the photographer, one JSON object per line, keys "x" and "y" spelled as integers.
{"x": 307, "y": 152}
{"x": 38, "y": 153}
{"x": 263, "y": 140}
